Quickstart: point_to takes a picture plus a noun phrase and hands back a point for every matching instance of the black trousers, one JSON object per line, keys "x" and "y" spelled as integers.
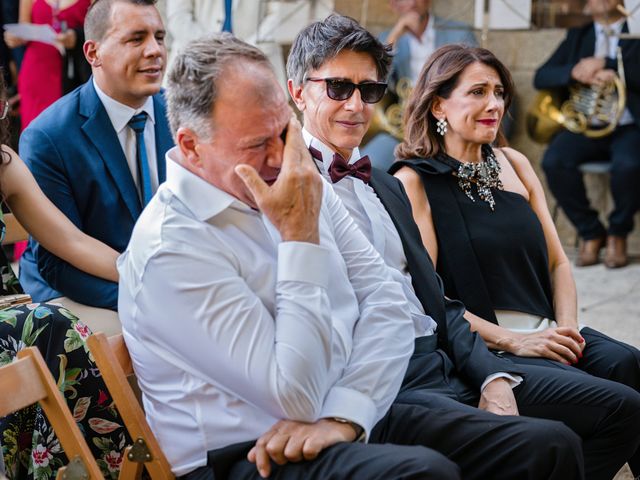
{"x": 564, "y": 412}
{"x": 384, "y": 460}
{"x": 605, "y": 414}
{"x": 604, "y": 357}
{"x": 567, "y": 151}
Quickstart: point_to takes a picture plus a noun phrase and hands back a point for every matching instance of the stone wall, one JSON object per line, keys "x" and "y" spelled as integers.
{"x": 522, "y": 52}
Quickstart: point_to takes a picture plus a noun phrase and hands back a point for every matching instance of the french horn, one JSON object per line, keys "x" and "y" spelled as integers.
{"x": 593, "y": 111}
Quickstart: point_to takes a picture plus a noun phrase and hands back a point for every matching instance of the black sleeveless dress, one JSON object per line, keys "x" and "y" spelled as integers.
{"x": 489, "y": 259}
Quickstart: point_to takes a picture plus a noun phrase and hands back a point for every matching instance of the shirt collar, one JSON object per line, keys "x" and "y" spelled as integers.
{"x": 203, "y": 199}
{"x": 430, "y": 30}
{"x": 326, "y": 151}
{"x": 119, "y": 113}
{"x": 615, "y": 27}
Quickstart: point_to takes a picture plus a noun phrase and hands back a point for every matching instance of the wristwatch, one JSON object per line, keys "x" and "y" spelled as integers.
{"x": 360, "y": 433}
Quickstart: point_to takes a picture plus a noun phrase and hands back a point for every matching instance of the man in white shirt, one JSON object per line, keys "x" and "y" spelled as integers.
{"x": 98, "y": 153}
{"x": 335, "y": 84}
{"x": 254, "y": 310}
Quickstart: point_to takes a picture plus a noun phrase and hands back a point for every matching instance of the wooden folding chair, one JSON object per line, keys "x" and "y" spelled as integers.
{"x": 113, "y": 360}
{"x": 27, "y": 381}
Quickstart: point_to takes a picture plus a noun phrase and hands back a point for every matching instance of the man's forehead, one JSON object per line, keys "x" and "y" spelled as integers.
{"x": 128, "y": 17}
{"x": 348, "y": 65}
{"x": 252, "y": 115}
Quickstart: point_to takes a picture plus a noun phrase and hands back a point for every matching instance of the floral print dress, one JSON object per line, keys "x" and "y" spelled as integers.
{"x": 30, "y": 448}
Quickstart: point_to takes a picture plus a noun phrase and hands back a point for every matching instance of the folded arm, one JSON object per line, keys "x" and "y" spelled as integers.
{"x": 277, "y": 360}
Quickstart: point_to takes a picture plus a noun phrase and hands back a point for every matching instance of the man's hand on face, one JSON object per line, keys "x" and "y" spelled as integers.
{"x": 292, "y": 202}
{"x": 291, "y": 441}
{"x": 497, "y": 397}
{"x": 586, "y": 69}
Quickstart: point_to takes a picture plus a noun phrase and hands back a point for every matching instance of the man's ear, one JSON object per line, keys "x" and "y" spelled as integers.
{"x": 90, "y": 49}
{"x": 295, "y": 91}
{"x": 187, "y": 142}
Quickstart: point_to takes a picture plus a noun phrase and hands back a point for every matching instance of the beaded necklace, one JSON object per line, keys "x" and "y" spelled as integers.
{"x": 485, "y": 174}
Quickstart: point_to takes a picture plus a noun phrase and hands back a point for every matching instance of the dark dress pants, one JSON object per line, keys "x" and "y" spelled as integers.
{"x": 381, "y": 459}
{"x": 605, "y": 415}
{"x": 567, "y": 151}
{"x": 603, "y": 357}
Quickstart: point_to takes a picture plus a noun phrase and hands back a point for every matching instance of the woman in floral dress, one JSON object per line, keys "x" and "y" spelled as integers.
{"x": 29, "y": 446}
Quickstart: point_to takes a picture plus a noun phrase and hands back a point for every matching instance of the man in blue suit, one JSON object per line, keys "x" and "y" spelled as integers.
{"x": 98, "y": 153}
{"x": 414, "y": 37}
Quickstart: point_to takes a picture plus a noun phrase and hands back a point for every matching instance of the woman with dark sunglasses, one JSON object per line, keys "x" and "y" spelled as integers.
{"x": 29, "y": 447}
{"x": 482, "y": 214}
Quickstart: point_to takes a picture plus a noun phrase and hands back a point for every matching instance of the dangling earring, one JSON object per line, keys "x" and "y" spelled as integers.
{"x": 441, "y": 126}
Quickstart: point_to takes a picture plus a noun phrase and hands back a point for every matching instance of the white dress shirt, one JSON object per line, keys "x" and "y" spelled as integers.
{"x": 372, "y": 218}
{"x": 607, "y": 38}
{"x": 231, "y": 329}
{"x": 120, "y": 114}
{"x": 422, "y": 48}
{"x": 374, "y": 221}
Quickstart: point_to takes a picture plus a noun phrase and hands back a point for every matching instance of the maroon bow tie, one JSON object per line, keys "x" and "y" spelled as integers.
{"x": 339, "y": 167}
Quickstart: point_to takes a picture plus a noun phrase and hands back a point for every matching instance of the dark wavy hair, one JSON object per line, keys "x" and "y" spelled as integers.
{"x": 439, "y": 77}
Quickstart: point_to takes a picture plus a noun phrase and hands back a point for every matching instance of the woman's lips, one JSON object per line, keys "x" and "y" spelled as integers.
{"x": 489, "y": 122}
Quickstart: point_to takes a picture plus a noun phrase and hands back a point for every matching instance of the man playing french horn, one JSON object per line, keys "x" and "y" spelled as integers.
{"x": 589, "y": 56}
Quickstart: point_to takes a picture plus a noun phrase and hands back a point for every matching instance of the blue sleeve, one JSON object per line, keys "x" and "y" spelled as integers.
{"x": 43, "y": 158}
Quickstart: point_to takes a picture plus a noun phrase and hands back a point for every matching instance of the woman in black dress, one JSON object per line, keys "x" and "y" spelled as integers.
{"x": 483, "y": 218}
{"x": 29, "y": 447}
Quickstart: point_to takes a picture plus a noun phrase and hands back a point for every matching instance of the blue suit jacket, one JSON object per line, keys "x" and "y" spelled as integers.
{"x": 75, "y": 156}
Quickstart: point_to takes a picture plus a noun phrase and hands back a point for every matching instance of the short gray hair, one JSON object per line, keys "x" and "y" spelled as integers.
{"x": 322, "y": 41}
{"x": 192, "y": 81}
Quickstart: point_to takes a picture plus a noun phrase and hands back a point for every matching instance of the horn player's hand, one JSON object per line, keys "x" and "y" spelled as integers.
{"x": 603, "y": 77}
{"x": 586, "y": 69}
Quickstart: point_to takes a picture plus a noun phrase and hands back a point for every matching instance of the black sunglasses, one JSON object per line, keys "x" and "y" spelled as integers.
{"x": 339, "y": 89}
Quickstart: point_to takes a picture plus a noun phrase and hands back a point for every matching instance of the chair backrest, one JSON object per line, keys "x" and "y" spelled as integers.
{"x": 27, "y": 381}
{"x": 15, "y": 232}
{"x": 113, "y": 360}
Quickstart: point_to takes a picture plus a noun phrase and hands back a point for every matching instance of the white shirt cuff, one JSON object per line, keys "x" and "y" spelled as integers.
{"x": 303, "y": 262}
{"x": 351, "y": 405}
{"x": 514, "y": 380}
